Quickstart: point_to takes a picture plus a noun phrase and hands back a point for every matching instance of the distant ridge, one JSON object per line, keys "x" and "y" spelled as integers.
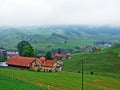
{"x": 36, "y": 35}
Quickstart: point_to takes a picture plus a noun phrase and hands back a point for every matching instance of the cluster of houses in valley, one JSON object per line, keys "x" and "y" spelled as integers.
{"x": 8, "y": 53}
{"x": 36, "y": 64}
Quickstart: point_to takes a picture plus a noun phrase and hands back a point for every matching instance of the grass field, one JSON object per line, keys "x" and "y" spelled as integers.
{"x": 12, "y": 83}
{"x": 107, "y": 60}
{"x": 30, "y": 80}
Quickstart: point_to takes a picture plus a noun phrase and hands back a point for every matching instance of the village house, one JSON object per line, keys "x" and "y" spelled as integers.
{"x": 23, "y": 62}
{"x": 11, "y": 53}
{"x": 94, "y": 49}
{"x": 8, "y": 53}
{"x": 58, "y": 56}
{"x": 107, "y": 44}
{"x": 48, "y": 66}
{"x": 3, "y": 53}
{"x": 62, "y": 56}
{"x": 36, "y": 64}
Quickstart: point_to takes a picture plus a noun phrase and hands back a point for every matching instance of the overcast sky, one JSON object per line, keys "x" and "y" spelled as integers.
{"x": 50, "y": 12}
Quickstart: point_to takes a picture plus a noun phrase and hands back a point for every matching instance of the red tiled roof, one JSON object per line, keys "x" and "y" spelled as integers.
{"x": 58, "y": 55}
{"x": 48, "y": 63}
{"x": 26, "y": 61}
{"x": 20, "y": 61}
{"x": 42, "y": 59}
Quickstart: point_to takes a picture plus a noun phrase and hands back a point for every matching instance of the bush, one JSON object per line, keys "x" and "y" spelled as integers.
{"x": 3, "y": 59}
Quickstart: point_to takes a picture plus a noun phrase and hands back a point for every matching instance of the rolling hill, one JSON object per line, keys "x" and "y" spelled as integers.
{"x": 57, "y": 36}
{"x": 103, "y": 61}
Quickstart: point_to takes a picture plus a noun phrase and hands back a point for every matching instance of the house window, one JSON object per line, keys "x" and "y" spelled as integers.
{"x": 35, "y": 65}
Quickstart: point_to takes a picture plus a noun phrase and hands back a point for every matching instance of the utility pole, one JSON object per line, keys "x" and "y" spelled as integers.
{"x": 82, "y": 75}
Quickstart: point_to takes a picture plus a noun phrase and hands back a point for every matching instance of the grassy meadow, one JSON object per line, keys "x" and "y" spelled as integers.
{"x": 12, "y": 83}
{"x": 30, "y": 80}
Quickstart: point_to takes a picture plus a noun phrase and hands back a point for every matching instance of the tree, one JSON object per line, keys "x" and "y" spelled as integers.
{"x": 25, "y": 49}
{"x": 36, "y": 54}
{"x": 2, "y": 48}
{"x": 3, "y": 59}
{"x": 28, "y": 51}
{"x": 21, "y": 45}
{"x": 59, "y": 51}
{"x": 65, "y": 41}
{"x": 48, "y": 55}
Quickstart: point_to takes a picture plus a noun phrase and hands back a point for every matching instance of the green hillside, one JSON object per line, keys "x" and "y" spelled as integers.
{"x": 54, "y": 81}
{"x": 57, "y": 36}
{"x": 104, "y": 64}
{"x": 11, "y": 83}
{"x": 104, "y": 61}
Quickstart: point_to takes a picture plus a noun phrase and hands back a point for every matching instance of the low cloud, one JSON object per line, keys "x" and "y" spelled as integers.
{"x": 49, "y": 12}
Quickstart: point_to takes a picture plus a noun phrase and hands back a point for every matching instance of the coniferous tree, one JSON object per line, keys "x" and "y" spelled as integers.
{"x": 59, "y": 51}
{"x": 48, "y": 55}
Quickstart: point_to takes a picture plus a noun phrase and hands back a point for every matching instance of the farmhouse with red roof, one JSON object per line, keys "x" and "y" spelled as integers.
{"x": 36, "y": 64}
{"x": 24, "y": 62}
